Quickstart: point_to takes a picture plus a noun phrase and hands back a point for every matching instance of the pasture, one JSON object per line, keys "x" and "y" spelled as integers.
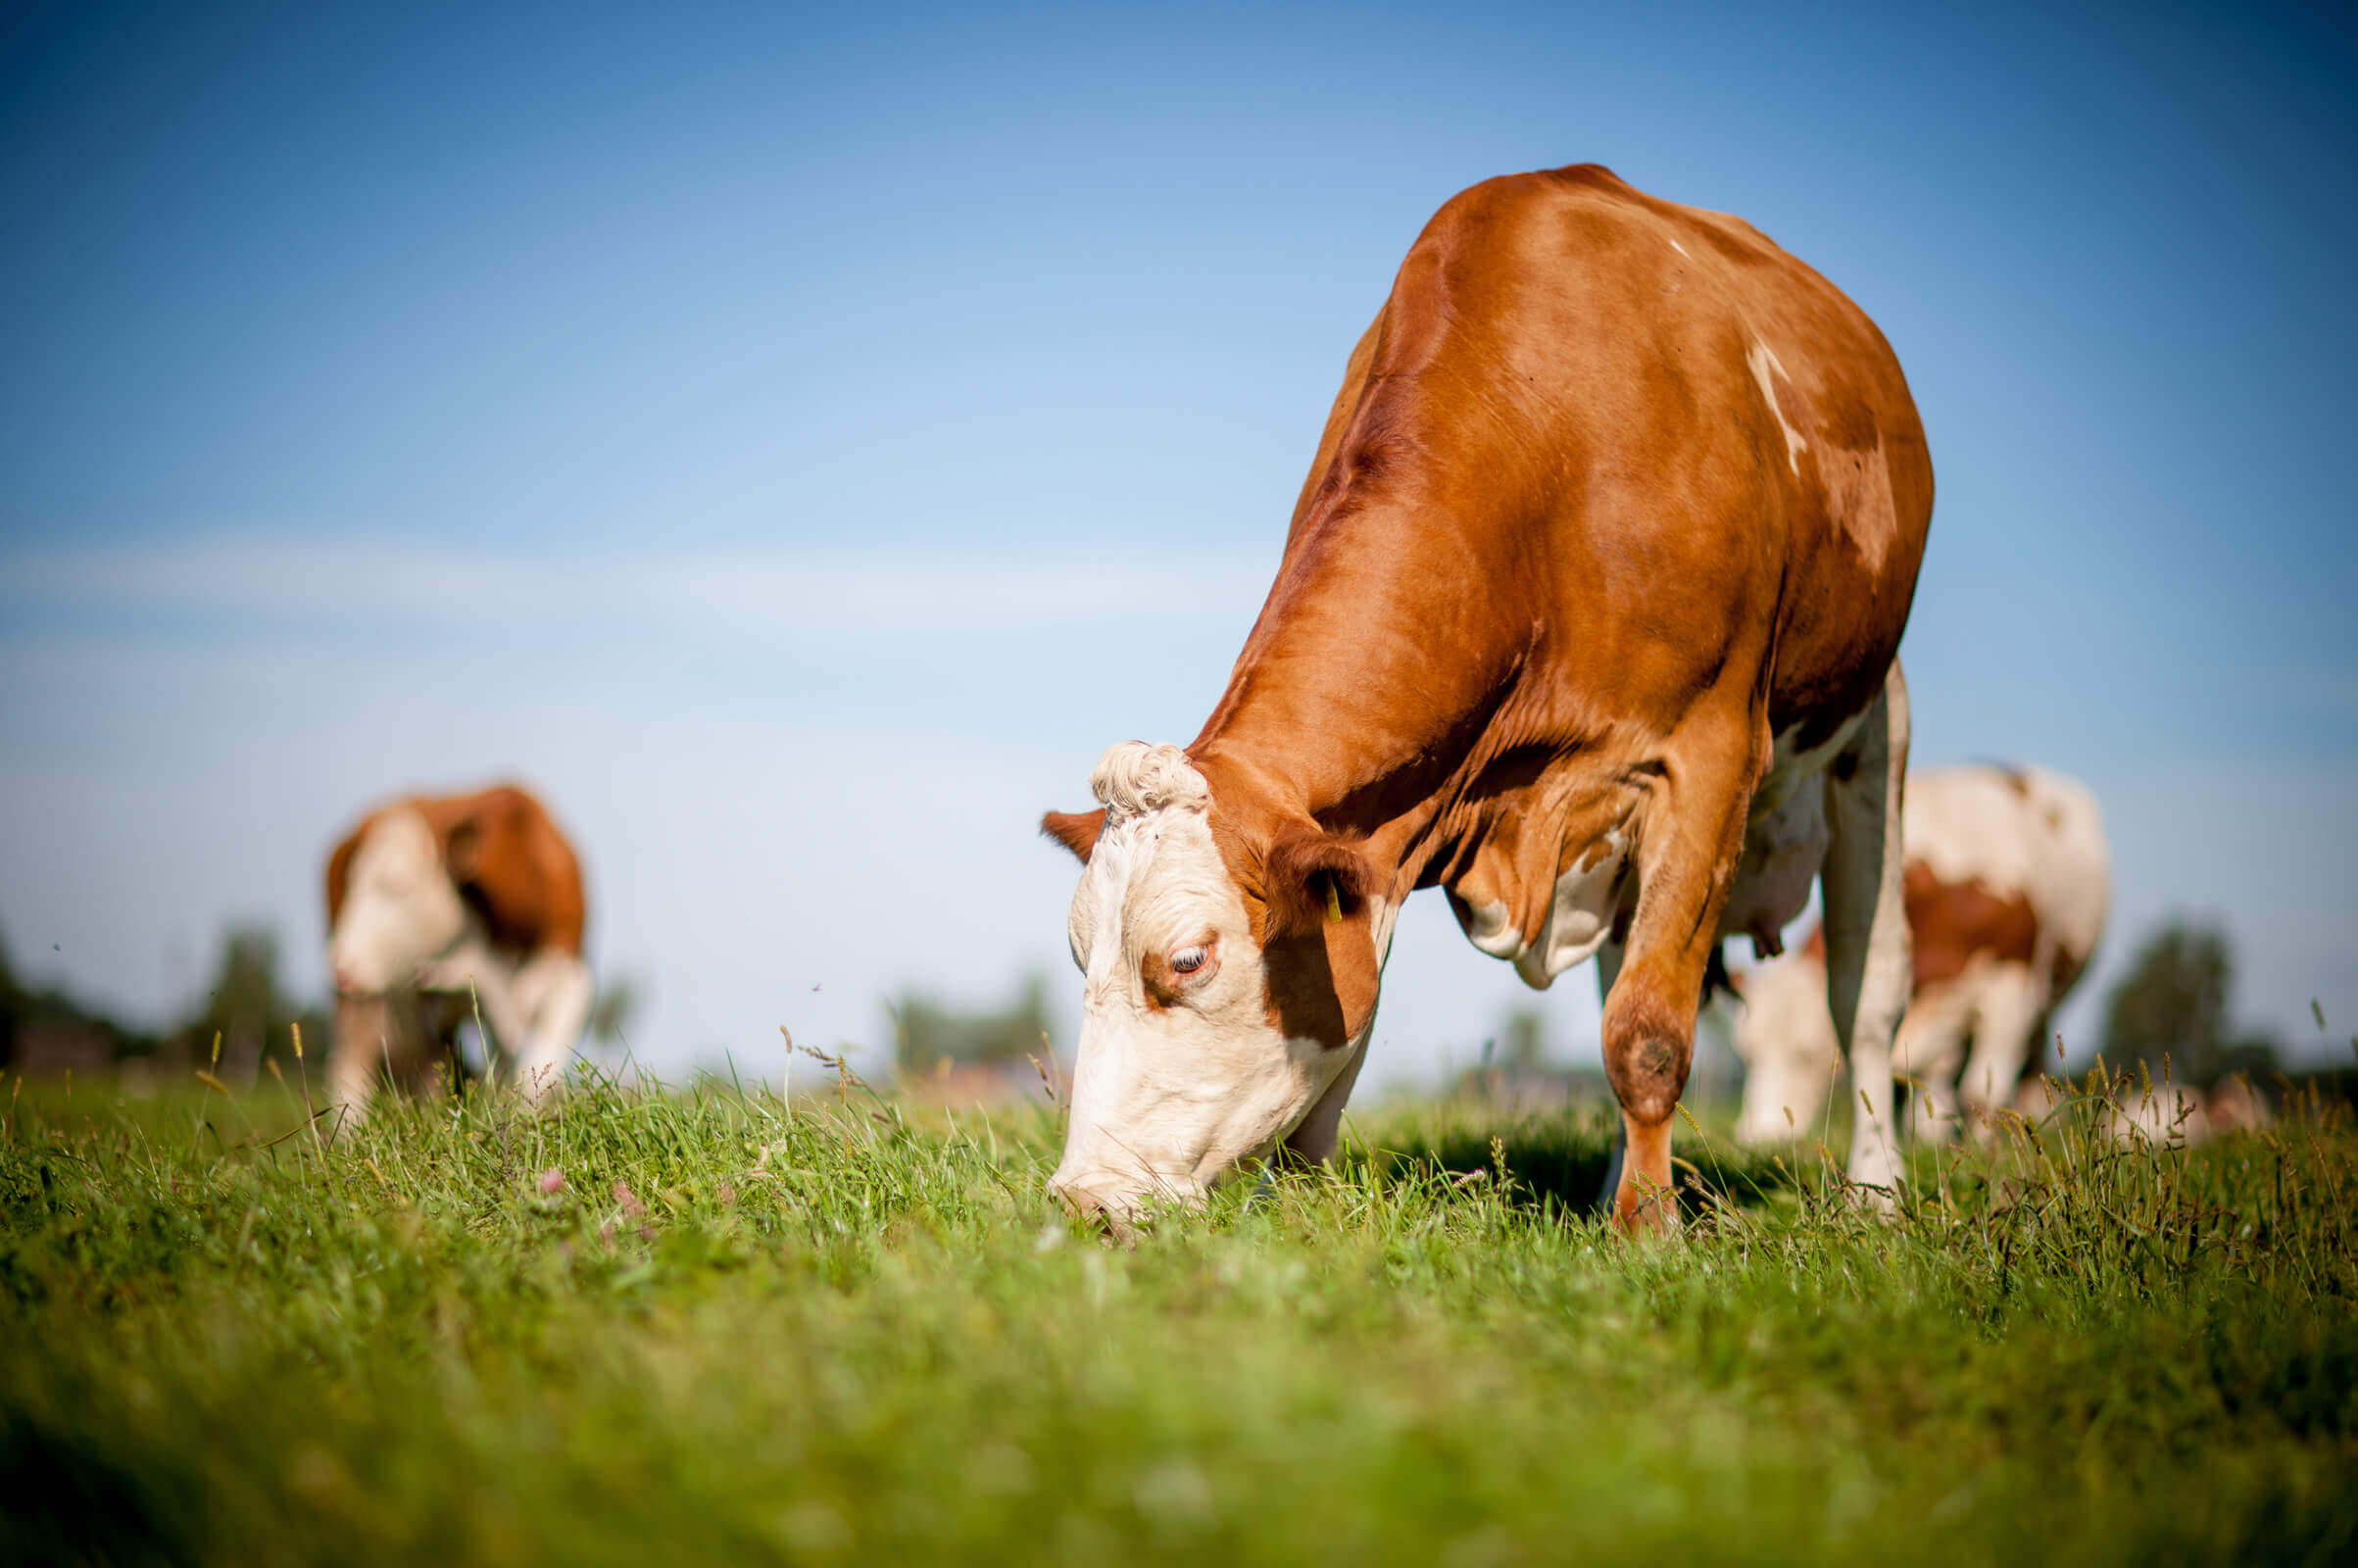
{"x": 715, "y": 1325}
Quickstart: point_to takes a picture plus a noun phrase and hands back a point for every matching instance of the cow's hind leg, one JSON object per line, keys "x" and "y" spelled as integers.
{"x": 1869, "y": 969}
{"x": 1929, "y": 1049}
{"x": 440, "y": 1067}
{"x": 1687, "y": 855}
{"x": 2013, "y": 1001}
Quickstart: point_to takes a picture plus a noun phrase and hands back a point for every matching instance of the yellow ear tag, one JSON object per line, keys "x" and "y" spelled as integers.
{"x": 1334, "y": 903}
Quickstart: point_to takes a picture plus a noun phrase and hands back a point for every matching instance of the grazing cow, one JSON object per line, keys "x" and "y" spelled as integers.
{"x": 1588, "y": 615}
{"x": 2138, "y": 1110}
{"x": 2008, "y": 880}
{"x": 442, "y": 907}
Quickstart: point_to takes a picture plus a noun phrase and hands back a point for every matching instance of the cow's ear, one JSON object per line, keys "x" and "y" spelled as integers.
{"x": 1320, "y": 941}
{"x": 339, "y": 872}
{"x": 1077, "y": 831}
{"x": 1313, "y": 879}
{"x": 463, "y": 847}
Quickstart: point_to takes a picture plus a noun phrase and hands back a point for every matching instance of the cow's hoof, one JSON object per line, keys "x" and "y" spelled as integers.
{"x": 1874, "y": 1186}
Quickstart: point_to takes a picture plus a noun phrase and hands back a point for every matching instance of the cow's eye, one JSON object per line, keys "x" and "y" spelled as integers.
{"x": 1187, "y": 961}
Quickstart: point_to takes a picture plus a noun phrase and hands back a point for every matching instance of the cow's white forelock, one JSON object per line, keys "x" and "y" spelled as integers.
{"x": 1133, "y": 778}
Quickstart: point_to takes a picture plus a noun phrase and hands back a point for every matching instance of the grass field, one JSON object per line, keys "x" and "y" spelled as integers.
{"x": 712, "y": 1325}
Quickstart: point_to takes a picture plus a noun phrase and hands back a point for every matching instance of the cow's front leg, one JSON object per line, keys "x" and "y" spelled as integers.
{"x": 553, "y": 994}
{"x": 1868, "y": 964}
{"x": 358, "y": 1053}
{"x": 1687, "y": 855}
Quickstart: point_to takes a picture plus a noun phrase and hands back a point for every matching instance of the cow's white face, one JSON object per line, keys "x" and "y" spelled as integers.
{"x": 1784, "y": 1035}
{"x": 400, "y": 908}
{"x": 1201, "y": 1045}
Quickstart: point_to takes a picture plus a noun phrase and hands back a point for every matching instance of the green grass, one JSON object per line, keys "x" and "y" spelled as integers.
{"x": 824, "y": 1333}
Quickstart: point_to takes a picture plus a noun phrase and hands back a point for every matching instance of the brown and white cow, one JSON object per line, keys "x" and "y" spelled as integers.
{"x": 1588, "y": 615}
{"x": 441, "y": 905}
{"x": 2008, "y": 882}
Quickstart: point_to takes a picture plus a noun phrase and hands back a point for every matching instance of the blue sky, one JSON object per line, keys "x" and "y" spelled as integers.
{"x": 799, "y": 442}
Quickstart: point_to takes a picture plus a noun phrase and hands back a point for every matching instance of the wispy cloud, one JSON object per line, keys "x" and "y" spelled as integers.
{"x": 880, "y": 590}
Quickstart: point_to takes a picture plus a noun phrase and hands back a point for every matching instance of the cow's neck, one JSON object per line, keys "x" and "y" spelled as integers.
{"x": 1366, "y": 697}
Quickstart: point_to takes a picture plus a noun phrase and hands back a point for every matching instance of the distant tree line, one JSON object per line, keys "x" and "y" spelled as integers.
{"x": 2169, "y": 1013}
{"x": 243, "y": 1006}
{"x": 927, "y": 1035}
{"x": 27, "y": 1015}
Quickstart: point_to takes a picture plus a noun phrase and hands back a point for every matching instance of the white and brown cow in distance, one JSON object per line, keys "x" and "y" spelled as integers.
{"x": 441, "y": 905}
{"x": 2135, "y": 1108}
{"x": 2008, "y": 883}
{"x": 1589, "y": 615}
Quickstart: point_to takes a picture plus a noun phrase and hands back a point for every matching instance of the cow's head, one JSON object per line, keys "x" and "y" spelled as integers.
{"x": 1230, "y": 961}
{"x": 1786, "y": 1037}
{"x": 393, "y": 900}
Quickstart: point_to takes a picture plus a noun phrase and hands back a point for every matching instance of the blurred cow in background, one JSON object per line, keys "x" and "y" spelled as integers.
{"x": 2007, "y": 886}
{"x": 2137, "y": 1109}
{"x": 446, "y": 908}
